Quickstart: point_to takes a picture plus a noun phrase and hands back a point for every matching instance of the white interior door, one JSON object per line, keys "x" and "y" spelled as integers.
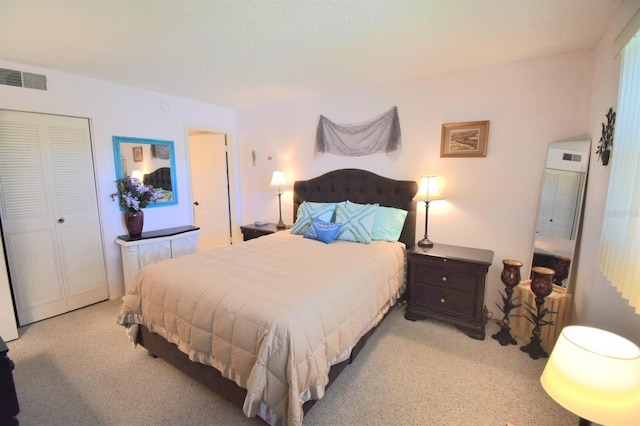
{"x": 210, "y": 188}
{"x": 49, "y": 214}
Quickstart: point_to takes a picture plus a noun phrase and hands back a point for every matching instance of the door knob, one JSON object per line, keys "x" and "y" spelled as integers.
{"x": 196, "y": 203}
{"x": 61, "y": 220}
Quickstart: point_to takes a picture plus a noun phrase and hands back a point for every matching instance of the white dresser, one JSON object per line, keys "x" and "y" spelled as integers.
{"x": 154, "y": 246}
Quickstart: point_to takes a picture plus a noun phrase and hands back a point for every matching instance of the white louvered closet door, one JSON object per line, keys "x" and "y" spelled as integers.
{"x": 49, "y": 214}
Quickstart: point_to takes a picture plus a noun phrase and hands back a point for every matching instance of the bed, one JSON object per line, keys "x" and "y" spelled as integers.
{"x": 271, "y": 322}
{"x": 160, "y": 179}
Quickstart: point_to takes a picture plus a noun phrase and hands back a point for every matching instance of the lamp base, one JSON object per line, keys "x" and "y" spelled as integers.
{"x": 281, "y": 225}
{"x": 425, "y": 242}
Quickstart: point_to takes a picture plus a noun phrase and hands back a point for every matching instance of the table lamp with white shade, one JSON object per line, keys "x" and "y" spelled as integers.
{"x": 278, "y": 180}
{"x": 428, "y": 191}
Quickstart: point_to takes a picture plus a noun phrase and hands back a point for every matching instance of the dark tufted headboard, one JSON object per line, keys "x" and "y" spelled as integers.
{"x": 361, "y": 186}
{"x": 160, "y": 178}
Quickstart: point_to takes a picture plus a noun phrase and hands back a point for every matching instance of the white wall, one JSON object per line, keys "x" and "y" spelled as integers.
{"x": 123, "y": 111}
{"x": 597, "y": 303}
{"x": 491, "y": 202}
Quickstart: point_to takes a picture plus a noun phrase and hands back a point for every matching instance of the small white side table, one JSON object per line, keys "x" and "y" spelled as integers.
{"x": 154, "y": 246}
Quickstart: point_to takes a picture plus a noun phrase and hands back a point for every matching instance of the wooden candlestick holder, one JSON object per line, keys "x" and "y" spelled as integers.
{"x": 510, "y": 278}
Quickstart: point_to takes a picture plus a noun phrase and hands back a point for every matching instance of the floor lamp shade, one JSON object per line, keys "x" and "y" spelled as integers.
{"x": 278, "y": 181}
{"x": 595, "y": 374}
{"x": 428, "y": 191}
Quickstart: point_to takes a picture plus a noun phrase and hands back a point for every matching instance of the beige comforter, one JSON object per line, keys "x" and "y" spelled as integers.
{"x": 272, "y": 314}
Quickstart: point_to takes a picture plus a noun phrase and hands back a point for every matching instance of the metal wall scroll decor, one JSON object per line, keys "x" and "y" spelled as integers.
{"x": 606, "y": 140}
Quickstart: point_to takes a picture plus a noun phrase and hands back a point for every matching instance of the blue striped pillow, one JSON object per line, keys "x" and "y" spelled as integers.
{"x": 309, "y": 211}
{"x": 357, "y": 221}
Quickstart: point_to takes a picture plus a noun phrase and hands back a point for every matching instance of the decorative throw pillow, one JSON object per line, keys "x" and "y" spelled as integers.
{"x": 357, "y": 221}
{"x": 323, "y": 231}
{"x": 309, "y": 211}
{"x": 388, "y": 224}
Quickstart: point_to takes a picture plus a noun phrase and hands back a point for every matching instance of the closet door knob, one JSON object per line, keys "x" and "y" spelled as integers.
{"x": 61, "y": 220}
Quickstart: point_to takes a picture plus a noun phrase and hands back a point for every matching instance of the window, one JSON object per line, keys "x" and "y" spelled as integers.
{"x": 620, "y": 242}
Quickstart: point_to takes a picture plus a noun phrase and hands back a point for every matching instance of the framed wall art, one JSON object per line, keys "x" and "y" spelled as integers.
{"x": 468, "y": 139}
{"x": 137, "y": 154}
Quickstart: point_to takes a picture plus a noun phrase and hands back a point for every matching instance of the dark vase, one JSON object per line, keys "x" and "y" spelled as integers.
{"x": 134, "y": 220}
{"x": 605, "y": 157}
{"x": 511, "y": 273}
{"x": 542, "y": 281}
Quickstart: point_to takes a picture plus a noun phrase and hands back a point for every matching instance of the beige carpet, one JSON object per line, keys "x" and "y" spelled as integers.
{"x": 79, "y": 369}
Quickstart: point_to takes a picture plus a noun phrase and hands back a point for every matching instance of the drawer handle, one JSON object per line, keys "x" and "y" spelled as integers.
{"x": 442, "y": 300}
{"x": 444, "y": 279}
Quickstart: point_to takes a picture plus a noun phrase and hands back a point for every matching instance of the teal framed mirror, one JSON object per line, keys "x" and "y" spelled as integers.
{"x": 153, "y": 161}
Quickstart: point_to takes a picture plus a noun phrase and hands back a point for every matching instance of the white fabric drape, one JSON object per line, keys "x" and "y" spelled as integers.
{"x": 382, "y": 134}
{"x": 620, "y": 242}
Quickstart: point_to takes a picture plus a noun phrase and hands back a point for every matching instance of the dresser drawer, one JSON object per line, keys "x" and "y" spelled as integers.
{"x": 450, "y": 278}
{"x": 441, "y": 299}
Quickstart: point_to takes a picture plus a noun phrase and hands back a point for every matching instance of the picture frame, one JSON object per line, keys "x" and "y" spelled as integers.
{"x": 468, "y": 139}
{"x": 137, "y": 154}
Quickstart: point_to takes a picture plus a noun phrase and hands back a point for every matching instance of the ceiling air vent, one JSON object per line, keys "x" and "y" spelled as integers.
{"x": 22, "y": 79}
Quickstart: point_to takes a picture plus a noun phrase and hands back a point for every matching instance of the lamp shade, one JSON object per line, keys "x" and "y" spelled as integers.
{"x": 277, "y": 179}
{"x": 429, "y": 190}
{"x": 595, "y": 374}
{"x": 137, "y": 174}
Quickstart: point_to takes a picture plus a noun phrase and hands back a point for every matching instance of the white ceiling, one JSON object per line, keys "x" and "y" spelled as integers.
{"x": 250, "y": 52}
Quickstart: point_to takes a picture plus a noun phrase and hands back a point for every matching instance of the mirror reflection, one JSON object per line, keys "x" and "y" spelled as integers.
{"x": 560, "y": 210}
{"x": 151, "y": 161}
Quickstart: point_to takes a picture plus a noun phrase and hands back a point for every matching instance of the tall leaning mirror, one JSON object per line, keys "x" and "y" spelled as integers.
{"x": 560, "y": 210}
{"x": 152, "y": 161}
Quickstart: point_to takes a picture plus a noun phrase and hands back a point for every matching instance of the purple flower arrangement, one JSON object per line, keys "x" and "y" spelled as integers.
{"x": 134, "y": 195}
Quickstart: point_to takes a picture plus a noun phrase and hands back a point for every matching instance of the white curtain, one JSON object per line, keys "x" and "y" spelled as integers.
{"x": 620, "y": 242}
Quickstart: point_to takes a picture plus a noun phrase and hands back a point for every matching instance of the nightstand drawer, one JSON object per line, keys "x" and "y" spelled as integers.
{"x": 444, "y": 277}
{"x": 448, "y": 302}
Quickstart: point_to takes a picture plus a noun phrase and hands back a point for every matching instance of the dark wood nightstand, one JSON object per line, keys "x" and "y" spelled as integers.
{"x": 8, "y": 400}
{"x": 249, "y": 232}
{"x": 446, "y": 283}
